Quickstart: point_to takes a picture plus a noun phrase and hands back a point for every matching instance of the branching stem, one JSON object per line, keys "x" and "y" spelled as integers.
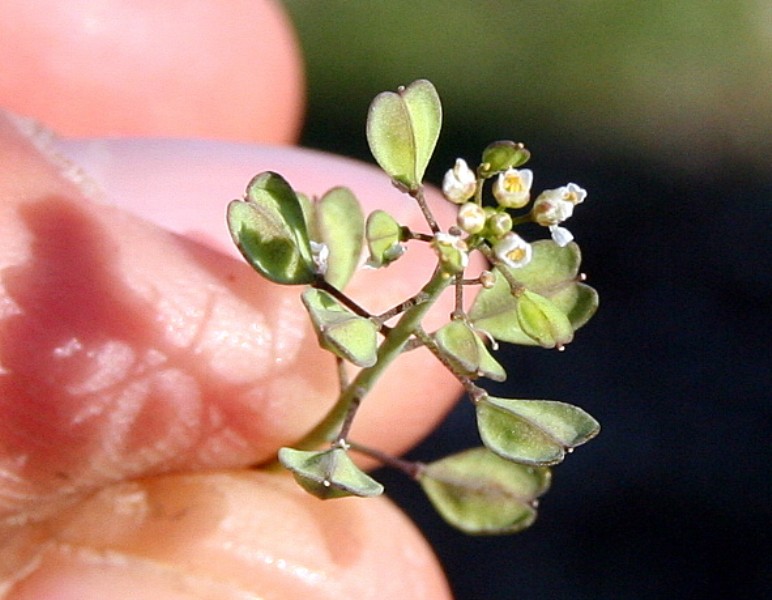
{"x": 402, "y": 307}
{"x": 418, "y": 194}
{"x": 348, "y": 402}
{"x": 324, "y": 285}
{"x": 473, "y": 390}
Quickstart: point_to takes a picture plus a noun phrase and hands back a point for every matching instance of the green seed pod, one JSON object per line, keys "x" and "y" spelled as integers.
{"x": 328, "y": 473}
{"x": 402, "y": 130}
{"x": 503, "y": 155}
{"x": 384, "y": 239}
{"x": 541, "y": 320}
{"x": 533, "y": 432}
{"x": 478, "y": 492}
{"x": 269, "y": 229}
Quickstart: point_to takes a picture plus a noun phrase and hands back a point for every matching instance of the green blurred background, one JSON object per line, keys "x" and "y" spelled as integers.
{"x": 663, "y": 111}
{"x": 684, "y": 84}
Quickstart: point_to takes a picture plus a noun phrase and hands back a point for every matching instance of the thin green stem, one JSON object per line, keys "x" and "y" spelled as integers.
{"x": 526, "y": 218}
{"x": 410, "y": 468}
{"x": 478, "y": 191}
{"x": 392, "y": 345}
{"x": 343, "y": 378}
{"x": 322, "y": 284}
{"x": 401, "y": 307}
{"x": 408, "y": 234}
{"x": 418, "y": 194}
{"x": 514, "y": 285}
{"x": 458, "y": 309}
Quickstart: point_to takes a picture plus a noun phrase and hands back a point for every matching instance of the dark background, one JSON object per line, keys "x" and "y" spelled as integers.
{"x": 663, "y": 112}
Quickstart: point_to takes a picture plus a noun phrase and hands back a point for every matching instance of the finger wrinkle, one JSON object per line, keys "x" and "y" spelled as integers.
{"x": 94, "y": 389}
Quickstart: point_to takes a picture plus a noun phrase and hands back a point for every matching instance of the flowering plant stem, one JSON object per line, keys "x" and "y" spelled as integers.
{"x": 532, "y": 295}
{"x": 336, "y": 424}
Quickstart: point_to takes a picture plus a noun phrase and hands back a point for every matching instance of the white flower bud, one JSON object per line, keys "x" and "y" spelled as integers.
{"x": 471, "y": 217}
{"x": 459, "y": 183}
{"x": 487, "y": 279}
{"x": 512, "y": 188}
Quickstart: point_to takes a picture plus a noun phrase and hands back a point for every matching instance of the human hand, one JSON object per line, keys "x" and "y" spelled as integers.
{"x": 144, "y": 369}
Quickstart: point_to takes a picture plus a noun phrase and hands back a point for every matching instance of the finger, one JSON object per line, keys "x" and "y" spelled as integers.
{"x": 129, "y": 351}
{"x": 229, "y": 70}
{"x": 226, "y": 535}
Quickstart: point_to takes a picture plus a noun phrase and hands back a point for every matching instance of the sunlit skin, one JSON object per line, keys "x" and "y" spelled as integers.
{"x": 144, "y": 366}
{"x": 177, "y": 68}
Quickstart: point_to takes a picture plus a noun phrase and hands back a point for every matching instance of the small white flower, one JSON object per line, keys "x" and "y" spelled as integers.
{"x": 561, "y": 236}
{"x": 459, "y": 183}
{"x": 512, "y": 189}
{"x": 513, "y": 251}
{"x": 471, "y": 217}
{"x": 320, "y": 253}
{"x": 552, "y": 207}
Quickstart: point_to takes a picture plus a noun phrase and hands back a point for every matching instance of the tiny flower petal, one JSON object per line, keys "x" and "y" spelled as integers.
{"x": 388, "y": 256}
{"x": 471, "y": 217}
{"x": 321, "y": 254}
{"x": 561, "y": 236}
{"x": 513, "y": 251}
{"x": 459, "y": 183}
{"x": 574, "y": 194}
{"x": 512, "y": 188}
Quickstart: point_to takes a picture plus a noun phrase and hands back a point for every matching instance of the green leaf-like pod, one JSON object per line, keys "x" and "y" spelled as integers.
{"x": 535, "y": 432}
{"x": 542, "y": 321}
{"x": 340, "y": 225}
{"x": 269, "y": 230}
{"x": 578, "y": 302}
{"x": 350, "y": 336}
{"x": 467, "y": 352}
{"x": 500, "y": 156}
{"x": 402, "y": 131}
{"x": 384, "y": 239}
{"x": 328, "y": 473}
{"x": 480, "y": 493}
{"x": 552, "y": 273}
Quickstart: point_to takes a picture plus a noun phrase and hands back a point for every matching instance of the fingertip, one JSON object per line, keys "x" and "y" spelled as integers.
{"x": 226, "y": 70}
{"x": 227, "y": 534}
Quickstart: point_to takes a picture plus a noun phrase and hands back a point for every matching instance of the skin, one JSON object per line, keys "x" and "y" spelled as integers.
{"x": 175, "y": 68}
{"x": 144, "y": 366}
